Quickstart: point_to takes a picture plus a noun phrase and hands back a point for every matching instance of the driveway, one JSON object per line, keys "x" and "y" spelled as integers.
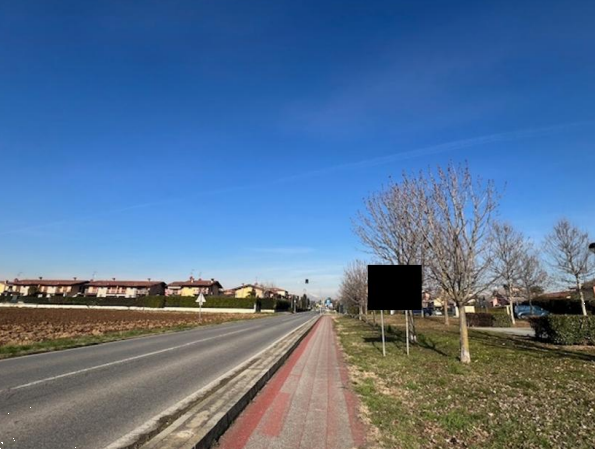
{"x": 519, "y": 331}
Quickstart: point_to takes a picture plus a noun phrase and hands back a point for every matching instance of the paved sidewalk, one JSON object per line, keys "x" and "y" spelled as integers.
{"x": 307, "y": 404}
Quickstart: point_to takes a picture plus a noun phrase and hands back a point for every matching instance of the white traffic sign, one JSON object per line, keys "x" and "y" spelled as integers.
{"x": 201, "y": 299}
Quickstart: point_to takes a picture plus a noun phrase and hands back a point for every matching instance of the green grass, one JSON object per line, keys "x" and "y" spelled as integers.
{"x": 516, "y": 393}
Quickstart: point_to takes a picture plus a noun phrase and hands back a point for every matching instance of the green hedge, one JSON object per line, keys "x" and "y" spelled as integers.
{"x": 565, "y": 329}
{"x": 563, "y": 306}
{"x": 282, "y": 306}
{"x": 502, "y": 320}
{"x": 488, "y": 320}
{"x": 217, "y": 302}
{"x": 143, "y": 301}
{"x": 480, "y": 320}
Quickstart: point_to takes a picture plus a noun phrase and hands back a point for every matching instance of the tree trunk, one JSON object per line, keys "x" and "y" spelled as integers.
{"x": 465, "y": 354}
{"x": 445, "y": 307}
{"x": 511, "y": 302}
{"x": 581, "y": 295}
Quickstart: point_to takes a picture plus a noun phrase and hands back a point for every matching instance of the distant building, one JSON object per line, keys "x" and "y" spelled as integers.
{"x": 258, "y": 291}
{"x": 124, "y": 289}
{"x": 194, "y": 287}
{"x": 44, "y": 287}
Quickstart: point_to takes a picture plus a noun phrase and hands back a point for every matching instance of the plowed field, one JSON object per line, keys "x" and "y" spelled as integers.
{"x": 27, "y": 325}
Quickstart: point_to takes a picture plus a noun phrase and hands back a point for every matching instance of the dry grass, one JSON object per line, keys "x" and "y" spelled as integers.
{"x": 516, "y": 393}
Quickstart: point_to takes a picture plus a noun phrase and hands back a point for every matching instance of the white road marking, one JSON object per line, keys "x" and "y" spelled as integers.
{"x": 117, "y": 362}
{"x": 132, "y": 437}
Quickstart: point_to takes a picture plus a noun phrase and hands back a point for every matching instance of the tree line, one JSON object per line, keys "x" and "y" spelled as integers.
{"x": 447, "y": 221}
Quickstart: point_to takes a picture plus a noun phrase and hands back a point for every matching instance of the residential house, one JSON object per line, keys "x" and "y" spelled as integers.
{"x": 279, "y": 292}
{"x": 45, "y": 287}
{"x": 124, "y": 289}
{"x": 4, "y": 286}
{"x": 257, "y": 290}
{"x": 194, "y": 287}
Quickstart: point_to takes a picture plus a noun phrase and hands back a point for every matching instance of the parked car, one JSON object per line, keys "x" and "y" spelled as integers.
{"x": 525, "y": 310}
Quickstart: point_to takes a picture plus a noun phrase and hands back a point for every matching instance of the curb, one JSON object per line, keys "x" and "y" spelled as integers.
{"x": 222, "y": 401}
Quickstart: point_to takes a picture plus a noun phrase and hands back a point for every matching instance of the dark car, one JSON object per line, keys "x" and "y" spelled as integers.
{"x": 525, "y": 310}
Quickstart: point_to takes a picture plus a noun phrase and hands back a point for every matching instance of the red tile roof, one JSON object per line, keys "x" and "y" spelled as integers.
{"x": 48, "y": 282}
{"x": 194, "y": 283}
{"x": 124, "y": 283}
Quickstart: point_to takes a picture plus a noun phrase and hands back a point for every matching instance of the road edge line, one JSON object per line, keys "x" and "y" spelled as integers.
{"x": 162, "y": 424}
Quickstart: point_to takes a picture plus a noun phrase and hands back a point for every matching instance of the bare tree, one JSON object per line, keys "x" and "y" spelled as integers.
{"x": 507, "y": 250}
{"x": 387, "y": 228}
{"x": 440, "y": 219}
{"x": 353, "y": 290}
{"x": 568, "y": 248}
{"x": 457, "y": 216}
{"x": 532, "y": 276}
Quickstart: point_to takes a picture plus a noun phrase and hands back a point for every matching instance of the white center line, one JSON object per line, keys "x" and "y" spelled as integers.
{"x": 117, "y": 362}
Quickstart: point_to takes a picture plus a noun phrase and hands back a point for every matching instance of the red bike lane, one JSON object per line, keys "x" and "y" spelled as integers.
{"x": 307, "y": 404}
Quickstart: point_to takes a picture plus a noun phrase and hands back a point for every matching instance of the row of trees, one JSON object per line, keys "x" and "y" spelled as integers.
{"x": 445, "y": 220}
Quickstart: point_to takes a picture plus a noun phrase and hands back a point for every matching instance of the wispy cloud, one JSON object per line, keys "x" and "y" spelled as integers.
{"x": 283, "y": 250}
{"x": 370, "y": 162}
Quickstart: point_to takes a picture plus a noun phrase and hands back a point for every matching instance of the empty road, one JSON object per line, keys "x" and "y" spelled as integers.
{"x": 87, "y": 398}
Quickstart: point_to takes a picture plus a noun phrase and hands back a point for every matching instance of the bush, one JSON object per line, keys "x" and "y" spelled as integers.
{"x": 498, "y": 311}
{"x": 563, "y": 306}
{"x": 157, "y": 302}
{"x": 502, "y": 320}
{"x": 565, "y": 329}
{"x": 480, "y": 320}
{"x": 282, "y": 306}
{"x": 267, "y": 303}
{"x": 217, "y": 302}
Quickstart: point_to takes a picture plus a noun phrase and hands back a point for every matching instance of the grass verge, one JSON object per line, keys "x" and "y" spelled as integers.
{"x": 516, "y": 393}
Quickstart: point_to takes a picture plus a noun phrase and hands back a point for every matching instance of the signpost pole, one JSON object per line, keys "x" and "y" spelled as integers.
{"x": 200, "y": 300}
{"x": 407, "y": 329}
{"x": 382, "y": 326}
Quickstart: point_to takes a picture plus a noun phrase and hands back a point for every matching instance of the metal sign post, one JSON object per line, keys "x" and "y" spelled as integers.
{"x": 407, "y": 329}
{"x": 382, "y": 326}
{"x": 200, "y": 300}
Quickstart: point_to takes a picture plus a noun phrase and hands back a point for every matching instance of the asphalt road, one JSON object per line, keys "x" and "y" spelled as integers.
{"x": 86, "y": 398}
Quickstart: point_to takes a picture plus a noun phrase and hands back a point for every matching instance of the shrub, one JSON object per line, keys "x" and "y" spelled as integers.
{"x": 282, "y": 306}
{"x": 480, "y": 320}
{"x": 267, "y": 303}
{"x": 157, "y": 302}
{"x": 563, "y": 306}
{"x": 565, "y": 329}
{"x": 498, "y": 310}
{"x": 502, "y": 320}
{"x": 218, "y": 302}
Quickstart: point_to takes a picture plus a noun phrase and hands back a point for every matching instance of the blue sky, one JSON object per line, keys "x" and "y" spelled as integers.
{"x": 237, "y": 139}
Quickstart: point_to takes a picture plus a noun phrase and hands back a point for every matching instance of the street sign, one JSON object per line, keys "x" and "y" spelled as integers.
{"x": 200, "y": 300}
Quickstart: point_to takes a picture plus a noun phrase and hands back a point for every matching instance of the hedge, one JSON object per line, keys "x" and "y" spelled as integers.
{"x": 143, "y": 301}
{"x": 565, "y": 329}
{"x": 157, "y": 302}
{"x": 563, "y": 306}
{"x": 480, "y": 320}
{"x": 217, "y": 302}
{"x": 488, "y": 320}
{"x": 278, "y": 305}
